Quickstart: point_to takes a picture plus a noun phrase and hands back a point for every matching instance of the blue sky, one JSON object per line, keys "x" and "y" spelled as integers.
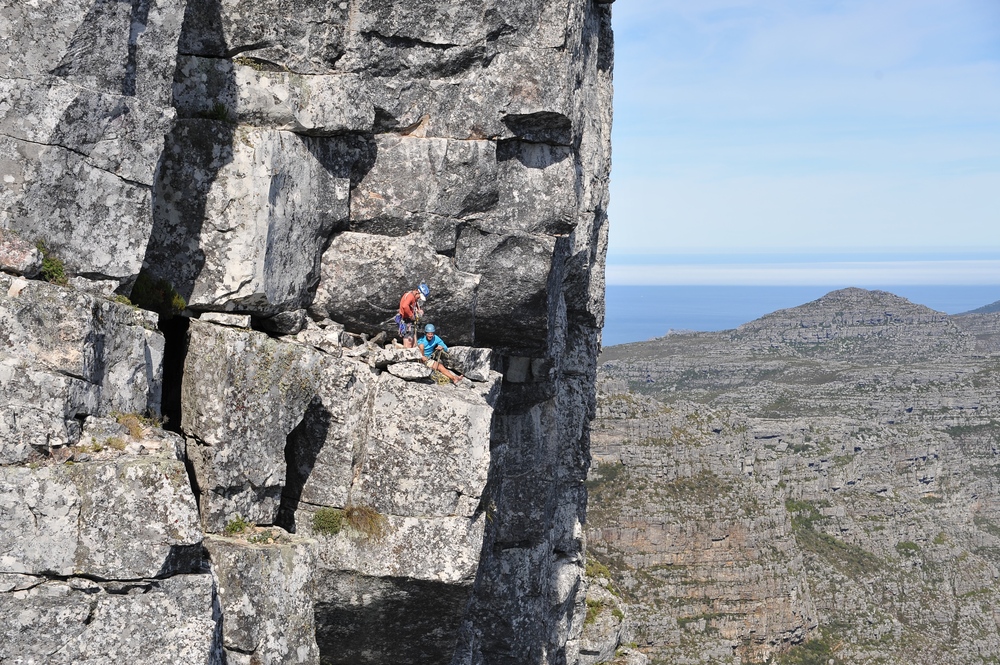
{"x": 791, "y": 127}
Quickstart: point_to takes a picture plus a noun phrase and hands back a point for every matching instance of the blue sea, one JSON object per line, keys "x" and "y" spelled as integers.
{"x": 638, "y": 313}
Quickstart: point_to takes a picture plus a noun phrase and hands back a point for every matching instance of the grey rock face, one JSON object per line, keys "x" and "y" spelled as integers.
{"x": 328, "y": 157}
{"x": 141, "y": 621}
{"x": 266, "y": 596}
{"x": 86, "y": 95}
{"x": 312, "y": 105}
{"x": 54, "y": 372}
{"x": 18, "y": 256}
{"x": 88, "y": 519}
{"x": 243, "y": 394}
{"x": 241, "y": 214}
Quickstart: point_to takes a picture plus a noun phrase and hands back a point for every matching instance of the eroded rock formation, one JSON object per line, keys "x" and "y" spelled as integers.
{"x": 271, "y": 177}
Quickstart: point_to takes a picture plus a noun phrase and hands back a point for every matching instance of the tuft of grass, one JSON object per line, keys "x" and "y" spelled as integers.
{"x": 907, "y": 548}
{"x": 157, "y": 295}
{"x": 53, "y": 269}
{"x": 218, "y": 112}
{"x": 132, "y": 423}
{"x": 328, "y": 521}
{"x": 367, "y": 521}
{"x": 236, "y": 526}
{"x": 116, "y": 443}
{"x": 361, "y": 520}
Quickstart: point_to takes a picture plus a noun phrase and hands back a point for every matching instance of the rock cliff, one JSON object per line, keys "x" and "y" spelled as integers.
{"x": 208, "y": 214}
{"x": 818, "y": 485}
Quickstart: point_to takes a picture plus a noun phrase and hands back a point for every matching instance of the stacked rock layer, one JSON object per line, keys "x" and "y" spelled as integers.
{"x": 271, "y": 177}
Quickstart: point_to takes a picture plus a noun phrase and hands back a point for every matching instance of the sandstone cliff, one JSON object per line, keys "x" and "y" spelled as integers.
{"x": 270, "y": 177}
{"x": 818, "y": 485}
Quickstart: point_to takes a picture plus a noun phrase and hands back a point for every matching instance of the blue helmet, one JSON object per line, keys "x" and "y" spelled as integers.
{"x": 429, "y": 328}
{"x": 424, "y": 291}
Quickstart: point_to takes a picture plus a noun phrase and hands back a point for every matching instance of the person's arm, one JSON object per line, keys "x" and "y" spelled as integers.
{"x": 444, "y": 347}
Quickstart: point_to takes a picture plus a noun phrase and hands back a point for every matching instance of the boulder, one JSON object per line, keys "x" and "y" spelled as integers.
{"x": 243, "y": 393}
{"x": 410, "y": 371}
{"x": 364, "y": 276}
{"x": 284, "y": 323}
{"x": 512, "y": 305}
{"x": 427, "y": 452}
{"x": 470, "y": 362}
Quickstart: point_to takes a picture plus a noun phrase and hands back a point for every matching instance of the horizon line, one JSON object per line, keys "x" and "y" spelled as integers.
{"x": 950, "y": 272}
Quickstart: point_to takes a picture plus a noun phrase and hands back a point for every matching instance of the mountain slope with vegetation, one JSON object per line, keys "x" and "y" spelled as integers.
{"x": 821, "y": 485}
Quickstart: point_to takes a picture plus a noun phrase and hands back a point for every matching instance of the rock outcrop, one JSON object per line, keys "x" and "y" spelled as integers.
{"x": 817, "y": 484}
{"x": 269, "y": 178}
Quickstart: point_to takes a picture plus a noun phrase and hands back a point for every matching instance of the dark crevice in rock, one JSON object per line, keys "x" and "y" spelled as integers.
{"x": 406, "y": 42}
{"x": 303, "y": 446}
{"x": 236, "y": 50}
{"x": 184, "y": 560}
{"x": 175, "y": 335}
{"x": 137, "y": 25}
{"x": 541, "y": 127}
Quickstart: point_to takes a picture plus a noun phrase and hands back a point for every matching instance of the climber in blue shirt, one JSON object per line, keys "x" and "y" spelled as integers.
{"x": 431, "y": 343}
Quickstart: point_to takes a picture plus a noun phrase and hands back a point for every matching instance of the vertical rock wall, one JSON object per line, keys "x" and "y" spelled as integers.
{"x": 289, "y": 170}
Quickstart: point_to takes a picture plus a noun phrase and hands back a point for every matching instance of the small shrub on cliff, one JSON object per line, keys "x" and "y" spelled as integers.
{"x": 53, "y": 269}
{"x": 328, "y": 521}
{"x": 157, "y": 295}
{"x": 596, "y": 569}
{"x": 594, "y": 608}
{"x": 218, "y": 112}
{"x": 236, "y": 526}
{"x": 364, "y": 521}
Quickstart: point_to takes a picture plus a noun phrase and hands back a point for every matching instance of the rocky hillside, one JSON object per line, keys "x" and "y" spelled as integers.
{"x": 209, "y": 212}
{"x": 821, "y": 485}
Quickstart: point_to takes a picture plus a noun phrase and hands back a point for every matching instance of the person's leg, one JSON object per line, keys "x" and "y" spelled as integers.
{"x": 448, "y": 373}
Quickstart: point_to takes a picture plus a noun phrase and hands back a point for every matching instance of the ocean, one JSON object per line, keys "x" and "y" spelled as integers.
{"x": 638, "y": 313}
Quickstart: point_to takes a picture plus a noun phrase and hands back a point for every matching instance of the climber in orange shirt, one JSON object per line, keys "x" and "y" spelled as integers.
{"x": 410, "y": 312}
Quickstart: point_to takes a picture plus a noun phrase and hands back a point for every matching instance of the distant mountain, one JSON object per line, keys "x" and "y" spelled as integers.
{"x": 985, "y": 309}
{"x": 820, "y": 485}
